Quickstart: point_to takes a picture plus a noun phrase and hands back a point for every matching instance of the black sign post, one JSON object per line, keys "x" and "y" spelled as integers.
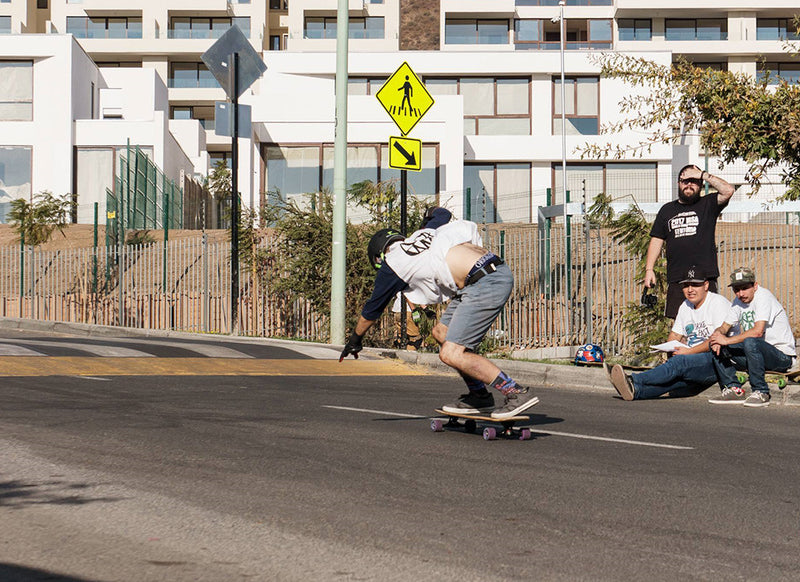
{"x": 236, "y": 65}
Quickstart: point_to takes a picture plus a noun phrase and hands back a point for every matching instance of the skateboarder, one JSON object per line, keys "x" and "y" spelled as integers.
{"x": 445, "y": 261}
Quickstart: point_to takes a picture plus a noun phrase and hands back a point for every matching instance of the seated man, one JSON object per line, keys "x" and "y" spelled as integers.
{"x": 765, "y": 341}
{"x": 690, "y": 368}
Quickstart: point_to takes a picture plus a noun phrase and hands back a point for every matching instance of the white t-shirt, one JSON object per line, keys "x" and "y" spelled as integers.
{"x": 430, "y": 279}
{"x": 764, "y": 307}
{"x": 697, "y": 324}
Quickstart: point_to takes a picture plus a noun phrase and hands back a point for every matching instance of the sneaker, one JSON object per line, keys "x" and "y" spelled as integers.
{"x": 729, "y": 396}
{"x": 622, "y": 382}
{"x": 516, "y": 401}
{"x": 471, "y": 403}
{"x": 757, "y": 399}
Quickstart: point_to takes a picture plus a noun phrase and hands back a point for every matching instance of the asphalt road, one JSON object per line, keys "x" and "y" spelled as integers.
{"x": 296, "y": 477}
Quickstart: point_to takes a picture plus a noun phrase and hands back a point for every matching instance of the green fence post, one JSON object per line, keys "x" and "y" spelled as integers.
{"x": 165, "y": 200}
{"x": 468, "y": 204}
{"x": 21, "y": 268}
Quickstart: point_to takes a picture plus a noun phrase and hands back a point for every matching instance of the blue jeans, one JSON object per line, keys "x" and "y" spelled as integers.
{"x": 755, "y": 356}
{"x": 686, "y": 372}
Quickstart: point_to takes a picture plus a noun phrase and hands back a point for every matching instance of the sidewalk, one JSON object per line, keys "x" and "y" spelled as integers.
{"x": 532, "y": 374}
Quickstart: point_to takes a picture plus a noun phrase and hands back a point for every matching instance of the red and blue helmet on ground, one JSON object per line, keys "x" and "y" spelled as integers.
{"x": 589, "y": 354}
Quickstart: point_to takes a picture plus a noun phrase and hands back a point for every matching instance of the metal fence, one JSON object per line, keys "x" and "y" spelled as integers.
{"x": 185, "y": 284}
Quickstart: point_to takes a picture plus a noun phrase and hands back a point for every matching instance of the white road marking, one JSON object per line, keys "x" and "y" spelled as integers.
{"x": 103, "y": 351}
{"x": 12, "y": 350}
{"x": 381, "y": 412}
{"x": 534, "y": 429}
{"x": 91, "y": 378}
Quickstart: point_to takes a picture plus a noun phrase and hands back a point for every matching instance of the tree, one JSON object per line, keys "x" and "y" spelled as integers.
{"x": 736, "y": 116}
{"x": 302, "y": 267}
{"x": 219, "y": 181}
{"x": 647, "y": 324}
{"x": 36, "y": 221}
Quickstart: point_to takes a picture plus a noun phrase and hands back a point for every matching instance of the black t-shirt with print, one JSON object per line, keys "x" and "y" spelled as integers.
{"x": 689, "y": 232}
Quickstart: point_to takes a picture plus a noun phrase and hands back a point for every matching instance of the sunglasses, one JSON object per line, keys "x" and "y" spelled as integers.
{"x": 696, "y": 181}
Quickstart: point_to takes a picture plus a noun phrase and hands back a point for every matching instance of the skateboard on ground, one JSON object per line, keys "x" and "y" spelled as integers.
{"x": 782, "y": 379}
{"x": 490, "y": 433}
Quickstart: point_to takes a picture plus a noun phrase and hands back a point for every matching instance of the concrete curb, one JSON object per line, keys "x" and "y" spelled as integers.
{"x": 534, "y": 374}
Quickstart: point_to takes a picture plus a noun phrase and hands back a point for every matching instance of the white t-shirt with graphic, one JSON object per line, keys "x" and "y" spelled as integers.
{"x": 697, "y": 324}
{"x": 764, "y": 307}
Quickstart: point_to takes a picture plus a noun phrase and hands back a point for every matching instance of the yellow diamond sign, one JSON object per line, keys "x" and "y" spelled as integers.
{"x": 405, "y": 98}
{"x": 405, "y": 153}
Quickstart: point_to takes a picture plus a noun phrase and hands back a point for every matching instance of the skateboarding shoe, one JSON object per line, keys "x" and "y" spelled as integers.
{"x": 517, "y": 401}
{"x": 757, "y": 399}
{"x": 471, "y": 403}
{"x": 729, "y": 396}
{"x": 622, "y": 382}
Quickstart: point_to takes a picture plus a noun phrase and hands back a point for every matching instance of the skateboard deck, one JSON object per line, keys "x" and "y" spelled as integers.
{"x": 490, "y": 433}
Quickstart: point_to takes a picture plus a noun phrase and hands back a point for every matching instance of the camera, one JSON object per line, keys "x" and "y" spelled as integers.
{"x": 648, "y": 300}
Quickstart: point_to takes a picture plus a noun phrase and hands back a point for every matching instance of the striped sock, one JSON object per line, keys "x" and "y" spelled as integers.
{"x": 504, "y": 384}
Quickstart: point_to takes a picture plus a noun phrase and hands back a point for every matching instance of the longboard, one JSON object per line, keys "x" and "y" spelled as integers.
{"x": 490, "y": 433}
{"x": 782, "y": 379}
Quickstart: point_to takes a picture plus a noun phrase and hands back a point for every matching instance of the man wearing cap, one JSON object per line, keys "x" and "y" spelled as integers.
{"x": 687, "y": 226}
{"x": 691, "y": 368}
{"x": 765, "y": 341}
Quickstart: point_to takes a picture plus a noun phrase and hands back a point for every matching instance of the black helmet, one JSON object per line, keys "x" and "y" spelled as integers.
{"x": 378, "y": 244}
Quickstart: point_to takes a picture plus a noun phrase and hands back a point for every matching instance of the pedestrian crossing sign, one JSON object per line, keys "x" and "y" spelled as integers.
{"x": 405, "y": 98}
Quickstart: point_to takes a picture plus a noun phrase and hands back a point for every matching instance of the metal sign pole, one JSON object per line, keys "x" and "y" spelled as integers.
{"x": 403, "y": 231}
{"x": 235, "y": 197}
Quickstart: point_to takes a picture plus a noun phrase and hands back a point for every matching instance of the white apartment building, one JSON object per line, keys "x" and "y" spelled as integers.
{"x": 492, "y": 140}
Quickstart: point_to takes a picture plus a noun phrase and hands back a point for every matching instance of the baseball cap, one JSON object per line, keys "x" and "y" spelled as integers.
{"x": 742, "y": 276}
{"x": 693, "y": 275}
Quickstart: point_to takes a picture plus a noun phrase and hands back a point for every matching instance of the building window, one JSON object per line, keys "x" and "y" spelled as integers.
{"x": 472, "y": 31}
{"x": 16, "y": 90}
{"x": 498, "y": 192}
{"x": 278, "y": 5}
{"x": 533, "y": 34}
{"x": 111, "y": 27}
{"x": 364, "y": 86}
{"x": 492, "y": 105}
{"x": 191, "y": 27}
{"x": 635, "y": 28}
{"x": 5, "y": 25}
{"x": 191, "y": 75}
{"x": 569, "y": 2}
{"x": 293, "y": 172}
{"x": 789, "y": 72}
{"x": 215, "y": 157}
{"x": 15, "y": 176}
{"x": 627, "y": 183}
{"x": 369, "y": 27}
{"x": 776, "y": 29}
{"x": 41, "y": 4}
{"x": 203, "y": 114}
{"x": 696, "y": 29}
{"x": 582, "y": 97}
{"x": 275, "y": 42}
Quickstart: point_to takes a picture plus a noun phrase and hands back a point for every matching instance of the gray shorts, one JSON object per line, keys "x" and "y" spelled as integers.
{"x": 471, "y": 313}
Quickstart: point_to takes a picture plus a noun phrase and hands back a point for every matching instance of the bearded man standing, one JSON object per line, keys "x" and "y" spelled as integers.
{"x": 688, "y": 227}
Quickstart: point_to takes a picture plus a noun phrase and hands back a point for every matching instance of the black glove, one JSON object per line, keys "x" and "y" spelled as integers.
{"x": 353, "y": 346}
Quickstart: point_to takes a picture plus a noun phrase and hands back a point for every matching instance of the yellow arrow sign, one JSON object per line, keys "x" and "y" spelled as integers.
{"x": 405, "y": 153}
{"x": 405, "y": 98}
